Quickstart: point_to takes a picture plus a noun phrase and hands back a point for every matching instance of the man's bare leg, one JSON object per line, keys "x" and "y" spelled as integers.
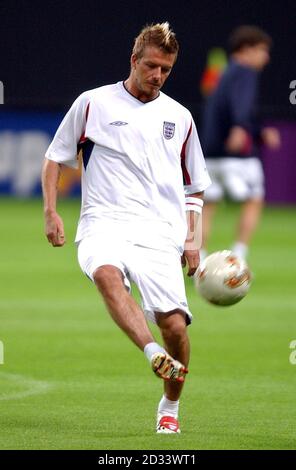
{"x": 174, "y": 333}
{"x": 250, "y": 215}
{"x": 208, "y": 213}
{"x": 122, "y": 307}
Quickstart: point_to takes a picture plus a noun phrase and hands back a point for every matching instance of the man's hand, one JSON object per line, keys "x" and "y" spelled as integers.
{"x": 237, "y": 141}
{"x": 54, "y": 229}
{"x": 192, "y": 258}
{"x": 271, "y": 137}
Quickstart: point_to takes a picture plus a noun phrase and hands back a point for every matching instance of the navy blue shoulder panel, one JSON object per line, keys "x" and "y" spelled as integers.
{"x": 87, "y": 148}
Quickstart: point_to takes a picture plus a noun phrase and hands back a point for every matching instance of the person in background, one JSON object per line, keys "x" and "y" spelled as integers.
{"x": 230, "y": 136}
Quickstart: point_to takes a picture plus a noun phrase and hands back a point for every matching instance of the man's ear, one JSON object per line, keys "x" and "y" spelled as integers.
{"x": 134, "y": 60}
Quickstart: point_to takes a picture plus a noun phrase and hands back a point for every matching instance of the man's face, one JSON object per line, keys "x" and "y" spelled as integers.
{"x": 151, "y": 71}
{"x": 259, "y": 55}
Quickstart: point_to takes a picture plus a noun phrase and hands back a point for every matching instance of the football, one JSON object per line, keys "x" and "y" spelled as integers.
{"x": 223, "y": 278}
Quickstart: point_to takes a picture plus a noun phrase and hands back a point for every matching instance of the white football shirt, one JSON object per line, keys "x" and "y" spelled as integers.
{"x": 139, "y": 162}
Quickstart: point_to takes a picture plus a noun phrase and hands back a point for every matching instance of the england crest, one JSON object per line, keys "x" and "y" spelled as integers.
{"x": 168, "y": 130}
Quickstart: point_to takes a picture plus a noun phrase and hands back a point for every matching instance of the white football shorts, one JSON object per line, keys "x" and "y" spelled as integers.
{"x": 157, "y": 272}
{"x": 240, "y": 179}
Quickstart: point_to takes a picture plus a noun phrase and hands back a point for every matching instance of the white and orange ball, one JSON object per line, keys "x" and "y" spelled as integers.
{"x": 223, "y": 278}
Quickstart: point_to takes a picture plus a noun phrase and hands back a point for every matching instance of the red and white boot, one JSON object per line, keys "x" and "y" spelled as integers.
{"x": 167, "y": 425}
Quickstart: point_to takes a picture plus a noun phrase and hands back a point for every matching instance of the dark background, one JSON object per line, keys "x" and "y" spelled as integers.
{"x": 52, "y": 51}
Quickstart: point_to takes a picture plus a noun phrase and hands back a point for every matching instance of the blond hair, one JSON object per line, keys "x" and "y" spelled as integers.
{"x": 159, "y": 35}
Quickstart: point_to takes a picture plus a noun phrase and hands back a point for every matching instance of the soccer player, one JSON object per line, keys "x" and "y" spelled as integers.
{"x": 143, "y": 177}
{"x": 231, "y": 133}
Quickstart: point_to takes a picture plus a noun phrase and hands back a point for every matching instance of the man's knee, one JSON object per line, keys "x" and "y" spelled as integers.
{"x": 108, "y": 277}
{"x": 173, "y": 327}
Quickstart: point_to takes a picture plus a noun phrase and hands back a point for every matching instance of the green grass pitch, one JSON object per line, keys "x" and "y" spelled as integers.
{"x": 72, "y": 380}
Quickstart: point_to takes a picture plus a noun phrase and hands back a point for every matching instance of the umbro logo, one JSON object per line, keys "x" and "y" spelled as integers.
{"x": 118, "y": 123}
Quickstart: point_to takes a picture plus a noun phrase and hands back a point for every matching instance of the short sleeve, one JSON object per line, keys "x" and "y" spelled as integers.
{"x": 63, "y": 148}
{"x": 195, "y": 173}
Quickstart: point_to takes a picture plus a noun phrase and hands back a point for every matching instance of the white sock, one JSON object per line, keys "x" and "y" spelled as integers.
{"x": 167, "y": 407}
{"x": 152, "y": 348}
{"x": 203, "y": 254}
{"x": 240, "y": 249}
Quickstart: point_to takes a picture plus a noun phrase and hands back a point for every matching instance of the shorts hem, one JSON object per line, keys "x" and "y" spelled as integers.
{"x": 125, "y": 279}
{"x": 150, "y": 315}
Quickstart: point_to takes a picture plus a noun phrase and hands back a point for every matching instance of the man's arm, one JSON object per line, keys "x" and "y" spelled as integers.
{"x": 194, "y": 204}
{"x": 196, "y": 180}
{"x": 54, "y": 227}
{"x": 242, "y": 100}
{"x": 62, "y": 151}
